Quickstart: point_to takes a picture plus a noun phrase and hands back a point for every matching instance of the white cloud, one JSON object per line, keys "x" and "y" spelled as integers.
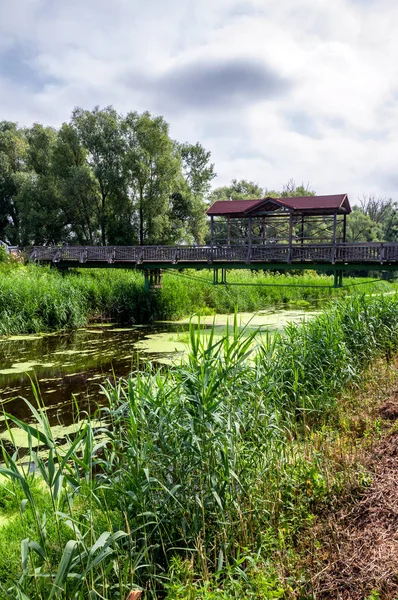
{"x": 214, "y": 69}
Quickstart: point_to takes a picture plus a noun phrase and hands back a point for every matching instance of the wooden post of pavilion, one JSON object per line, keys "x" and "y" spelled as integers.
{"x": 302, "y": 231}
{"x": 290, "y": 236}
{"x": 249, "y": 236}
{"x": 345, "y": 228}
{"x": 228, "y": 231}
{"x": 334, "y": 237}
{"x": 212, "y": 231}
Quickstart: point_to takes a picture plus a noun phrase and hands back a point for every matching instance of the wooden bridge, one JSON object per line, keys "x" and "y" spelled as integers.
{"x": 335, "y": 258}
{"x": 307, "y": 232}
{"x": 357, "y": 255}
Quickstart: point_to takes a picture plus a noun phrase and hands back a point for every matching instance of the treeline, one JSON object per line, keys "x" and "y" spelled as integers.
{"x": 108, "y": 178}
{"x": 101, "y": 178}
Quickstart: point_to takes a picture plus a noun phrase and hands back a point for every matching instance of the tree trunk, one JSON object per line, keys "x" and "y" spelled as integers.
{"x": 103, "y": 220}
{"x": 141, "y": 212}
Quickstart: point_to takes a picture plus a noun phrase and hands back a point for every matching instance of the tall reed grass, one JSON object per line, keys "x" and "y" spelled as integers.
{"x": 201, "y": 476}
{"x": 35, "y": 299}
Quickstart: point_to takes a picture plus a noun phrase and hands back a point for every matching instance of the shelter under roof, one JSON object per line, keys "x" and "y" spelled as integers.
{"x": 308, "y": 205}
{"x": 294, "y": 220}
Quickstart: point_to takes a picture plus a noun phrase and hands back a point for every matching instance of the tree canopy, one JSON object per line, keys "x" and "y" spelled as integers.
{"x": 102, "y": 178}
{"x": 109, "y": 178}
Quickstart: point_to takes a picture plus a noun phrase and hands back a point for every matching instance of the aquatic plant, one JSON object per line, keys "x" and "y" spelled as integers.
{"x": 201, "y": 475}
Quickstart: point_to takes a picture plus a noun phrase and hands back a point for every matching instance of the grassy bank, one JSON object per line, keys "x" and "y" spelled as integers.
{"x": 35, "y": 299}
{"x": 204, "y": 476}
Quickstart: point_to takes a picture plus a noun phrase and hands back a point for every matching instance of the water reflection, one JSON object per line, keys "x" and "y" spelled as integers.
{"x": 68, "y": 368}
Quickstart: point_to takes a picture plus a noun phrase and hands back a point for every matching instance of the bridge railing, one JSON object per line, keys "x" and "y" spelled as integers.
{"x": 364, "y": 252}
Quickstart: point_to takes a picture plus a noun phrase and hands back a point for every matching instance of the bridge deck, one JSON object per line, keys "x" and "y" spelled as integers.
{"x": 374, "y": 253}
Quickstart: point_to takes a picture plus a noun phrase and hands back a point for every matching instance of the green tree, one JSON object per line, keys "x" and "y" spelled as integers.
{"x": 80, "y": 193}
{"x": 238, "y": 190}
{"x": 99, "y": 132}
{"x": 13, "y": 151}
{"x": 39, "y": 201}
{"x": 152, "y": 166}
{"x": 291, "y": 190}
{"x": 384, "y": 212}
{"x": 361, "y": 228}
{"x": 187, "y": 203}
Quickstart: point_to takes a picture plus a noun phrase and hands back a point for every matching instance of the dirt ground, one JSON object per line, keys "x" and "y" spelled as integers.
{"x": 360, "y": 542}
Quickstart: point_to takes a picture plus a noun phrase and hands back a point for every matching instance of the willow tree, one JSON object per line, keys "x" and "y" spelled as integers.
{"x": 100, "y": 133}
{"x": 152, "y": 166}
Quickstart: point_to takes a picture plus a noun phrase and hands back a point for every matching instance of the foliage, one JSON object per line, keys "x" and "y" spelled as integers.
{"x": 201, "y": 476}
{"x": 35, "y": 299}
{"x": 101, "y": 178}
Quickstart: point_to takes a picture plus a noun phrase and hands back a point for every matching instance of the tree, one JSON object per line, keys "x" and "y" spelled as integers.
{"x": 13, "y": 149}
{"x": 187, "y": 203}
{"x": 361, "y": 228}
{"x": 384, "y": 212}
{"x": 238, "y": 190}
{"x": 38, "y": 200}
{"x": 102, "y": 178}
{"x": 78, "y": 186}
{"x": 152, "y": 165}
{"x": 99, "y": 132}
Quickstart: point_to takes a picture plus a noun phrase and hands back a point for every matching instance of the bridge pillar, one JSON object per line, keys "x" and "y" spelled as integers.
{"x": 216, "y": 276}
{"x": 338, "y": 279}
{"x": 153, "y": 280}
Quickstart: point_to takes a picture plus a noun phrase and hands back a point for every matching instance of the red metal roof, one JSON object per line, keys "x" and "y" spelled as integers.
{"x": 309, "y": 204}
{"x": 232, "y": 207}
{"x": 314, "y": 202}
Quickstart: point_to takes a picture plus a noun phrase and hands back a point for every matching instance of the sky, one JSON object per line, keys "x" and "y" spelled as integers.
{"x": 275, "y": 89}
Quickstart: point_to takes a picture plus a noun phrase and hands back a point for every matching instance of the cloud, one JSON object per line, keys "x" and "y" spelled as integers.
{"x": 214, "y": 85}
{"x": 274, "y": 89}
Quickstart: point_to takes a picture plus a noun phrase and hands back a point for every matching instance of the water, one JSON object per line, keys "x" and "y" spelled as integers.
{"x": 70, "y": 367}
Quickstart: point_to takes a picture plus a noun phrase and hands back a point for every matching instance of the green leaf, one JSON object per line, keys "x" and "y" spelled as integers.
{"x": 63, "y": 569}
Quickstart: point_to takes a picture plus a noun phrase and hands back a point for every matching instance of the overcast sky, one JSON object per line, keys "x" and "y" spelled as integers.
{"x": 275, "y": 89}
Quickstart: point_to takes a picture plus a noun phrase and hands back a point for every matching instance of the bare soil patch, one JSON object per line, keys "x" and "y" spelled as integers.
{"x": 360, "y": 542}
{"x": 389, "y": 410}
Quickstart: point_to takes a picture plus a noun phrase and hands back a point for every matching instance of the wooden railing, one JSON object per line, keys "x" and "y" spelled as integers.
{"x": 370, "y": 252}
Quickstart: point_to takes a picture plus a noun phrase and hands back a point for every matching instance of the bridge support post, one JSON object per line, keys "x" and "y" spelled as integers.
{"x": 338, "y": 279}
{"x": 216, "y": 277}
{"x": 153, "y": 280}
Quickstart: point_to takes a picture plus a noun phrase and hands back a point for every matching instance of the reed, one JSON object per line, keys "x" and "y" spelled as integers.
{"x": 201, "y": 476}
{"x": 35, "y": 299}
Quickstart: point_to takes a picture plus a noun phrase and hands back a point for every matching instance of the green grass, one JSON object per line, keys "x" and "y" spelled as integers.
{"x": 35, "y": 299}
{"x": 203, "y": 476}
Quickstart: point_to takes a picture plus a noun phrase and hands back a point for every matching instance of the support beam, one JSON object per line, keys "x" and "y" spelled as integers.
{"x": 338, "y": 279}
{"x": 212, "y": 231}
{"x": 302, "y": 231}
{"x": 344, "y": 228}
{"x": 216, "y": 277}
{"x": 290, "y": 236}
{"x": 334, "y": 229}
{"x": 228, "y": 231}
{"x": 153, "y": 280}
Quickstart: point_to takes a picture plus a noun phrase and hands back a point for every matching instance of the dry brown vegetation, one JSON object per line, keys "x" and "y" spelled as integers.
{"x": 357, "y": 545}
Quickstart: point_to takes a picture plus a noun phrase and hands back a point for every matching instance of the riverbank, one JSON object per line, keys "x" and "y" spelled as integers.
{"x": 206, "y": 478}
{"x": 36, "y": 299}
{"x": 351, "y": 551}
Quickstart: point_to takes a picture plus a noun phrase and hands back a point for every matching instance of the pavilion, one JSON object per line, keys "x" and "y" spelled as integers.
{"x": 293, "y": 221}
